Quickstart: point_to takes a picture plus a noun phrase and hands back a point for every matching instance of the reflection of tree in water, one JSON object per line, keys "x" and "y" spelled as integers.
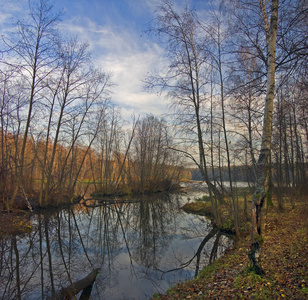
{"x": 41, "y": 262}
{"x": 67, "y": 245}
{"x": 149, "y": 237}
{"x": 215, "y": 232}
{"x": 20, "y": 264}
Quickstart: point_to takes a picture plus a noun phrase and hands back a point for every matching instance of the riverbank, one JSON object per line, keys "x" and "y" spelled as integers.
{"x": 15, "y": 222}
{"x": 285, "y": 261}
{"x": 17, "y": 219}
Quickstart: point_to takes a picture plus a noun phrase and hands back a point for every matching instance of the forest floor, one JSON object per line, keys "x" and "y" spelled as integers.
{"x": 284, "y": 261}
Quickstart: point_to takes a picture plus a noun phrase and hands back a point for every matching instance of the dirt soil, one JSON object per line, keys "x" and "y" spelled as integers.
{"x": 284, "y": 260}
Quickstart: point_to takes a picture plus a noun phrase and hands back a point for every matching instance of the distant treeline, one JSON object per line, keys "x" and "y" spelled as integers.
{"x": 112, "y": 164}
{"x": 246, "y": 174}
{"x": 239, "y": 173}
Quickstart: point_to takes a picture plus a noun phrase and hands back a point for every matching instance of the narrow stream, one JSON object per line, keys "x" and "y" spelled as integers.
{"x": 141, "y": 247}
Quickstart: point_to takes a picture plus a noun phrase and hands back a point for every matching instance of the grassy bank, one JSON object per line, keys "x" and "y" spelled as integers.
{"x": 284, "y": 259}
{"x": 203, "y": 207}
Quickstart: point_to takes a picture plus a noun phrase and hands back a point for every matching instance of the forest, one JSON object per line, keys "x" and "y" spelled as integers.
{"x": 60, "y": 129}
{"x": 235, "y": 82}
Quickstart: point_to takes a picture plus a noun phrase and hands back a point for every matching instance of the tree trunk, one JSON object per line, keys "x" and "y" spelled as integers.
{"x": 224, "y": 127}
{"x": 263, "y": 181}
{"x": 70, "y": 291}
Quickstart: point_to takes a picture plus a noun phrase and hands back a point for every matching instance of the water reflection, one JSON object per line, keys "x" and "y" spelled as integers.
{"x": 140, "y": 247}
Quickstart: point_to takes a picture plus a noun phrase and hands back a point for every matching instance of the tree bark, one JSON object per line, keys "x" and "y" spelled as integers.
{"x": 263, "y": 180}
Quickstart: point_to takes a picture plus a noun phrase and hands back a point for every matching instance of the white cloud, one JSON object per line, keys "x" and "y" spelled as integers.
{"x": 129, "y": 70}
{"x": 129, "y": 57}
{"x": 116, "y": 47}
{"x": 10, "y": 10}
{"x": 3, "y": 17}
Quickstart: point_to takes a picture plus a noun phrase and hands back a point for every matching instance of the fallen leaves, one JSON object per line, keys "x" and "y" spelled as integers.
{"x": 285, "y": 263}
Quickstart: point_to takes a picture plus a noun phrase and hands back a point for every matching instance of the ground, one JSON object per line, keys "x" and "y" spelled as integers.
{"x": 14, "y": 222}
{"x": 284, "y": 260}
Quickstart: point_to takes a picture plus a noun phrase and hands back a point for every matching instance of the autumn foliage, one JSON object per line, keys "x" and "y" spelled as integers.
{"x": 77, "y": 171}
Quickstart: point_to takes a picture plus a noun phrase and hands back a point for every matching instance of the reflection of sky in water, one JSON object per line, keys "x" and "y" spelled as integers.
{"x": 131, "y": 243}
{"x": 137, "y": 282}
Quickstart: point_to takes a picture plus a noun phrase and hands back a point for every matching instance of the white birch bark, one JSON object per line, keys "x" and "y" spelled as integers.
{"x": 262, "y": 187}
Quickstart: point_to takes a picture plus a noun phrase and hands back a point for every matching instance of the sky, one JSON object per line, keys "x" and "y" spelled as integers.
{"x": 117, "y": 37}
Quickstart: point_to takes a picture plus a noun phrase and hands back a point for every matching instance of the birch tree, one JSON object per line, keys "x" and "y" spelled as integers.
{"x": 280, "y": 45}
{"x": 263, "y": 181}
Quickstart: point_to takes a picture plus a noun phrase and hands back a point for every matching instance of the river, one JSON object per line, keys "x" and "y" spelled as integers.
{"x": 140, "y": 246}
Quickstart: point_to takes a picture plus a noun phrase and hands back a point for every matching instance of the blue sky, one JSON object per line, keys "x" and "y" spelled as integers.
{"x": 115, "y": 31}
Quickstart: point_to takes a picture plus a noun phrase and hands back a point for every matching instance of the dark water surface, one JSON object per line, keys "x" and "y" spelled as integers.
{"x": 133, "y": 243}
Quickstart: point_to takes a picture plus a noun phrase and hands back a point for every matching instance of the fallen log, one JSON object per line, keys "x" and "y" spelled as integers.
{"x": 70, "y": 291}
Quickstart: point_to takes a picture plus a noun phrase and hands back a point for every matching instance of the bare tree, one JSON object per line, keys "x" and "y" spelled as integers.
{"x": 280, "y": 45}
{"x": 107, "y": 145}
{"x": 246, "y": 106}
{"x": 152, "y": 159}
{"x": 32, "y": 48}
{"x": 184, "y": 78}
{"x": 10, "y": 106}
{"x": 61, "y": 88}
{"x": 79, "y": 90}
{"x": 217, "y": 52}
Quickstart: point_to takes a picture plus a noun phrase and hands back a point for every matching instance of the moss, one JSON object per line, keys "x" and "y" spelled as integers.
{"x": 259, "y": 239}
{"x": 171, "y": 292}
{"x": 208, "y": 270}
{"x": 270, "y": 201}
{"x": 204, "y": 198}
{"x": 304, "y": 291}
{"x": 199, "y": 208}
{"x": 228, "y": 225}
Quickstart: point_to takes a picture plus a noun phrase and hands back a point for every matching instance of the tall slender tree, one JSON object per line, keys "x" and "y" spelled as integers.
{"x": 185, "y": 78}
{"x": 33, "y": 50}
{"x": 264, "y": 161}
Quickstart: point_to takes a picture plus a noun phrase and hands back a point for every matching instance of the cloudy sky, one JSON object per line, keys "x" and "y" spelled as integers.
{"x": 116, "y": 33}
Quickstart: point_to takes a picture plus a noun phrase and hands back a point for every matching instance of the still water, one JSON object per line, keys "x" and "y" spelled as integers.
{"x": 142, "y": 246}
